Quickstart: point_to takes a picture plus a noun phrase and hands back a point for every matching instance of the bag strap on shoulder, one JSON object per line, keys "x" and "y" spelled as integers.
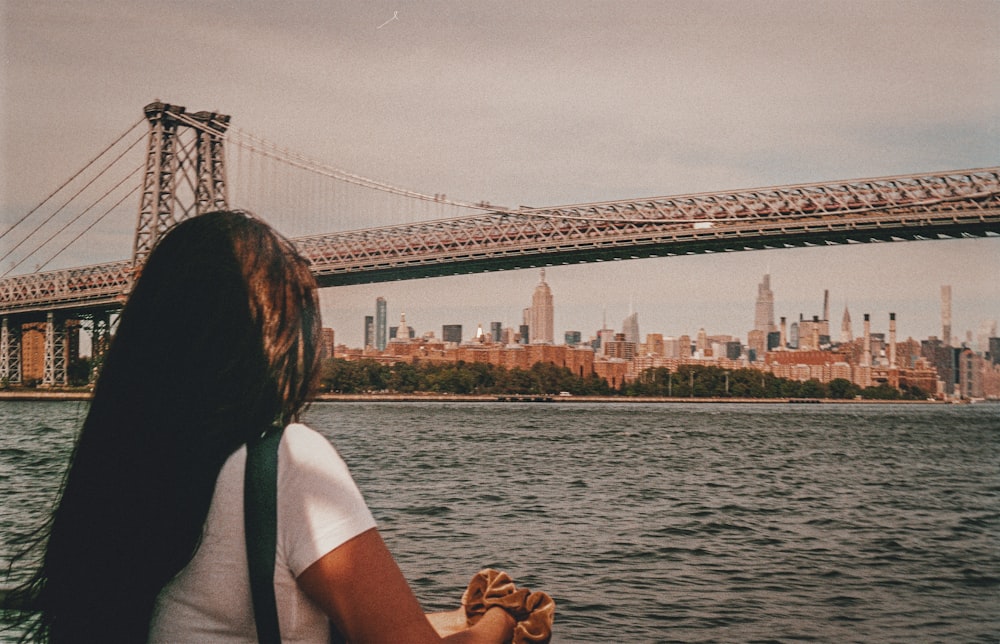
{"x": 260, "y": 520}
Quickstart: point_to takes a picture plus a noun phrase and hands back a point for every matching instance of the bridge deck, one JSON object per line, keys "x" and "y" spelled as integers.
{"x": 914, "y": 207}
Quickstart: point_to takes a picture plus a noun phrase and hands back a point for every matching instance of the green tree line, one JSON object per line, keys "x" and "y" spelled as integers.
{"x": 365, "y": 376}
{"x": 698, "y": 381}
{"x": 688, "y": 381}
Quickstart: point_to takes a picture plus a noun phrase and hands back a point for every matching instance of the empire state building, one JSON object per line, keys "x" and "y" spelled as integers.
{"x": 539, "y": 317}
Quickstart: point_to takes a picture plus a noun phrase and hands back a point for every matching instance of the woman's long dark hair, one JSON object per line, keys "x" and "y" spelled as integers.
{"x": 217, "y": 342}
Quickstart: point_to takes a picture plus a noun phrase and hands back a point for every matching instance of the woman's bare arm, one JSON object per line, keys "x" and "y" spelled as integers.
{"x": 361, "y": 588}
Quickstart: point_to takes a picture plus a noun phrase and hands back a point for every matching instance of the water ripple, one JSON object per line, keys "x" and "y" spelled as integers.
{"x": 660, "y": 523}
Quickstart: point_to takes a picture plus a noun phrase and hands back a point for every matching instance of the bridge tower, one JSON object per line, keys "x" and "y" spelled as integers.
{"x": 185, "y": 176}
{"x": 185, "y": 172}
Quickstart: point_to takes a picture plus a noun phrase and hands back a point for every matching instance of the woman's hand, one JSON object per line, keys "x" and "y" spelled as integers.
{"x": 498, "y": 624}
{"x": 449, "y": 622}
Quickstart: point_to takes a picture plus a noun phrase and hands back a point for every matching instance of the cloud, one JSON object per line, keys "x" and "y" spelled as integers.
{"x": 538, "y": 104}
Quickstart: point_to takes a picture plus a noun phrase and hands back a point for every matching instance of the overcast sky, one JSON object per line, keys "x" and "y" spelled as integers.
{"x": 547, "y": 103}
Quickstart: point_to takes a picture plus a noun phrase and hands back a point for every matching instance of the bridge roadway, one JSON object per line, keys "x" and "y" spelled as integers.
{"x": 913, "y": 207}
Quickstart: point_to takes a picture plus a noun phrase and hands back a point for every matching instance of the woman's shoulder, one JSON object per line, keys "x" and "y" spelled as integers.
{"x": 300, "y": 433}
{"x": 303, "y": 443}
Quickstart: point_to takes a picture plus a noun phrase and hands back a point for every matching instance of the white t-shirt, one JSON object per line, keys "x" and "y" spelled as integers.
{"x": 319, "y": 508}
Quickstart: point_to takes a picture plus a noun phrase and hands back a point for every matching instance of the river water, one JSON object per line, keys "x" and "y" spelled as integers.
{"x": 659, "y": 522}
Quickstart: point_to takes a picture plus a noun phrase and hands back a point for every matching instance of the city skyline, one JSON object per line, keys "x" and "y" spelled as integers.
{"x": 544, "y": 104}
{"x": 825, "y": 305}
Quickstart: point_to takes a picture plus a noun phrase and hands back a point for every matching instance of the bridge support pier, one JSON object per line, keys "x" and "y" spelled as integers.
{"x": 54, "y": 373}
{"x": 10, "y": 352}
{"x": 100, "y": 340}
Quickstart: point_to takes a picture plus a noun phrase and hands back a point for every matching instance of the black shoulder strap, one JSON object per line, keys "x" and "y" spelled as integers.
{"x": 260, "y": 520}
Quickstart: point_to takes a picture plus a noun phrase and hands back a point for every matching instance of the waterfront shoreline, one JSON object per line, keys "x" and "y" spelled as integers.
{"x": 85, "y": 395}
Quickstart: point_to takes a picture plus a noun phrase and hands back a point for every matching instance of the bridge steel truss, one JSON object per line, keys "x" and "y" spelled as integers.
{"x": 912, "y": 207}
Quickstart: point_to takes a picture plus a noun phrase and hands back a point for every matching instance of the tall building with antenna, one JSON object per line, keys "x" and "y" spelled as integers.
{"x": 540, "y": 316}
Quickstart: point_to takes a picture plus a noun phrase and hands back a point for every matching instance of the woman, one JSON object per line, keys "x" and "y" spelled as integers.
{"x": 218, "y": 342}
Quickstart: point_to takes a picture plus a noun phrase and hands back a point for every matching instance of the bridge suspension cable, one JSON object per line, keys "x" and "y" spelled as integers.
{"x": 262, "y": 146}
{"x": 75, "y": 197}
{"x": 300, "y": 195}
{"x": 71, "y": 179}
{"x": 72, "y": 221}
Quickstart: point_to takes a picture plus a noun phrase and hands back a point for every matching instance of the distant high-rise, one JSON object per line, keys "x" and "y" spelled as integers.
{"x": 684, "y": 346}
{"x": 451, "y": 333}
{"x": 403, "y": 332}
{"x": 541, "y": 314}
{"x": 892, "y": 341}
{"x": 369, "y": 331}
{"x": 946, "y": 315}
{"x": 630, "y": 327}
{"x": 327, "y": 342}
{"x": 987, "y": 329}
{"x": 866, "y": 347}
{"x": 701, "y": 341}
{"x": 604, "y": 336}
{"x": 33, "y": 351}
{"x": 654, "y": 344}
{"x": 764, "y": 311}
{"x": 381, "y": 322}
{"x": 763, "y": 320}
{"x": 846, "y": 332}
{"x": 496, "y": 330}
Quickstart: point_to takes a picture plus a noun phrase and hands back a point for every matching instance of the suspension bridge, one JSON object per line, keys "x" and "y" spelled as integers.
{"x": 193, "y": 163}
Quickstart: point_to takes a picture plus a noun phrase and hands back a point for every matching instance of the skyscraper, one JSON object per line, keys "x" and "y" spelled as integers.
{"x": 540, "y": 316}
{"x": 369, "y": 331}
{"x": 630, "y": 327}
{"x": 987, "y": 329}
{"x": 381, "y": 322}
{"x": 946, "y": 315}
{"x": 763, "y": 319}
{"x": 451, "y": 333}
{"x": 892, "y": 341}
{"x": 846, "y": 332}
{"x": 764, "y": 311}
